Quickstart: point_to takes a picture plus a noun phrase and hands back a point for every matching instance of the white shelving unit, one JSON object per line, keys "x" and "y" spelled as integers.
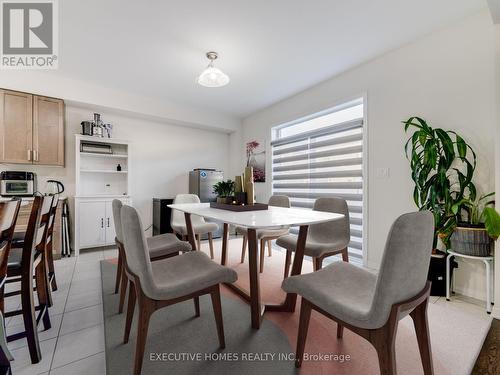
{"x": 98, "y": 182}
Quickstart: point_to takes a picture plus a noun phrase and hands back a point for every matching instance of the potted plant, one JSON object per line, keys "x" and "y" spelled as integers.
{"x": 475, "y": 234}
{"x": 224, "y": 191}
{"x": 442, "y": 166}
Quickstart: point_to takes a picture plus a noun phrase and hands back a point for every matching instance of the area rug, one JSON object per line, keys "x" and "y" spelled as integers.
{"x": 189, "y": 345}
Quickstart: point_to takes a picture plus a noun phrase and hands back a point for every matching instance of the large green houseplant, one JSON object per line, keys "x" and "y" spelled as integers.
{"x": 442, "y": 166}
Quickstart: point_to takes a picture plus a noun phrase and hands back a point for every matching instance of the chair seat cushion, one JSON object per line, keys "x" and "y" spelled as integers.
{"x": 199, "y": 228}
{"x": 187, "y": 273}
{"x": 166, "y": 244}
{"x": 264, "y": 233}
{"x": 341, "y": 289}
{"x": 313, "y": 248}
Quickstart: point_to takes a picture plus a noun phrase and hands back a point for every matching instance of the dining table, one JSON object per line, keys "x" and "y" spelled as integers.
{"x": 270, "y": 218}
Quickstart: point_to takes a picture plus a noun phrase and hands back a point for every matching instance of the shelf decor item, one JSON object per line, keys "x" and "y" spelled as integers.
{"x": 475, "y": 234}
{"x": 224, "y": 191}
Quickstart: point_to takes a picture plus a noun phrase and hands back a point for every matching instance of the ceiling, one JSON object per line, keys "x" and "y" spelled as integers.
{"x": 270, "y": 49}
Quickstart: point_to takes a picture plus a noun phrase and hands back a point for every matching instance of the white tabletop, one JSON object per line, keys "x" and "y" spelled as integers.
{"x": 274, "y": 217}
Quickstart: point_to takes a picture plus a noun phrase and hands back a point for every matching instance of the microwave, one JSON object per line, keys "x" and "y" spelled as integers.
{"x": 17, "y": 184}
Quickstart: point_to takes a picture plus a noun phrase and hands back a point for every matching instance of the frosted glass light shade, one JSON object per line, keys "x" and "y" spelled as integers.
{"x": 213, "y": 77}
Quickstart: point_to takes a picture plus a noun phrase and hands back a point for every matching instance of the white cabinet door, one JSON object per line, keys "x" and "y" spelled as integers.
{"x": 92, "y": 224}
{"x": 110, "y": 224}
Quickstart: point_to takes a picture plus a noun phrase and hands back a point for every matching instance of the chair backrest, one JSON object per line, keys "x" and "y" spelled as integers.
{"x": 177, "y": 219}
{"x": 279, "y": 201}
{"x": 405, "y": 263}
{"x": 136, "y": 250}
{"x": 117, "y": 207}
{"x": 332, "y": 230}
{"x": 52, "y": 219}
{"x": 8, "y": 218}
{"x": 36, "y": 231}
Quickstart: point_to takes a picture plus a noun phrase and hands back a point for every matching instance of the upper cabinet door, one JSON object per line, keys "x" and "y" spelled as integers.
{"x": 16, "y": 127}
{"x": 48, "y": 131}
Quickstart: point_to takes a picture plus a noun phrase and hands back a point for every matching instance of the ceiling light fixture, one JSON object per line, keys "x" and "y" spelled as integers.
{"x": 212, "y": 77}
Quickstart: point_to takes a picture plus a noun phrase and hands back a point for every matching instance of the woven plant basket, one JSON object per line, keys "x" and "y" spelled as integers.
{"x": 471, "y": 241}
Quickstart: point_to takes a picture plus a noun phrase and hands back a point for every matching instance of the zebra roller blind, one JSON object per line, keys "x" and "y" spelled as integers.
{"x": 324, "y": 162}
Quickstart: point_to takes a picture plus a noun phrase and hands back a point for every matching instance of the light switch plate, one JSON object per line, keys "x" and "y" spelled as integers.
{"x": 382, "y": 173}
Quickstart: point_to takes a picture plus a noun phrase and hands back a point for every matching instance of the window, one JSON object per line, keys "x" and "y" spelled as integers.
{"x": 322, "y": 156}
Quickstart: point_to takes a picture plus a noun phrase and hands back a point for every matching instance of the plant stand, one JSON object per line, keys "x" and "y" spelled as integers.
{"x": 489, "y": 264}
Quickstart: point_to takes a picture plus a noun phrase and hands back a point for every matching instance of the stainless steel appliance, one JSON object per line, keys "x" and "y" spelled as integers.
{"x": 201, "y": 183}
{"x": 17, "y": 184}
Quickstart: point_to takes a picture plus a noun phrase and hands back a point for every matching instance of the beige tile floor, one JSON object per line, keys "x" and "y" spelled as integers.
{"x": 75, "y": 343}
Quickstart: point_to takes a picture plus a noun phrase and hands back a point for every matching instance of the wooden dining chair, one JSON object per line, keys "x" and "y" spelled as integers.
{"x": 265, "y": 235}
{"x": 370, "y": 305}
{"x": 22, "y": 263}
{"x": 160, "y": 247}
{"x": 50, "y": 243}
{"x": 162, "y": 283}
{"x": 199, "y": 224}
{"x": 8, "y": 218}
{"x": 325, "y": 239}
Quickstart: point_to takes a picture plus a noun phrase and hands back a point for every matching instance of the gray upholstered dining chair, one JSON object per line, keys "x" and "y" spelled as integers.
{"x": 267, "y": 235}
{"x": 166, "y": 282}
{"x": 323, "y": 240}
{"x": 370, "y": 305}
{"x": 200, "y": 226}
{"x": 159, "y": 247}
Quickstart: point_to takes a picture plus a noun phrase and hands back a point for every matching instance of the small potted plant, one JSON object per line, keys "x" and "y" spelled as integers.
{"x": 224, "y": 191}
{"x": 475, "y": 235}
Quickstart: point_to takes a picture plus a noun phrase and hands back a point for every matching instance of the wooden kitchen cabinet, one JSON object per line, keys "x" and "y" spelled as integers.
{"x": 16, "y": 127}
{"x": 48, "y": 131}
{"x": 31, "y": 129}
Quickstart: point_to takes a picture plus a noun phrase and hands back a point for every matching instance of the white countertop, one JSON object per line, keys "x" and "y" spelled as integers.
{"x": 274, "y": 217}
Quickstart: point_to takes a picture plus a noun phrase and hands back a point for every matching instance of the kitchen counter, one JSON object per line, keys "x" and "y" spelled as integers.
{"x": 28, "y": 199}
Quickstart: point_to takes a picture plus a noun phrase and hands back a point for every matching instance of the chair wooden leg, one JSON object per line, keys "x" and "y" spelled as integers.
{"x": 130, "y": 311}
{"x": 340, "y": 331}
{"x": 345, "y": 255}
{"x": 146, "y": 308}
{"x": 119, "y": 270}
{"x": 305, "y": 315}
{"x": 43, "y": 290}
{"x": 262, "y": 253}
{"x": 28, "y": 308}
{"x": 384, "y": 343}
{"x": 211, "y": 245}
{"x": 123, "y": 291}
{"x": 269, "y": 248}
{"x": 419, "y": 316}
{"x": 198, "y": 242}
{"x": 288, "y": 262}
{"x": 51, "y": 269}
{"x": 196, "y": 301}
{"x": 244, "y": 249}
{"x": 317, "y": 263}
{"x": 215, "y": 295}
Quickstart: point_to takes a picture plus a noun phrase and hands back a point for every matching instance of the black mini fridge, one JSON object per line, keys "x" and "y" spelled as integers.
{"x": 161, "y": 215}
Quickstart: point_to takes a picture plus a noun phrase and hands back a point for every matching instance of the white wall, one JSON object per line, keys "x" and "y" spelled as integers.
{"x": 51, "y": 83}
{"x": 161, "y": 156}
{"x": 447, "y": 78}
{"x": 496, "y": 310}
